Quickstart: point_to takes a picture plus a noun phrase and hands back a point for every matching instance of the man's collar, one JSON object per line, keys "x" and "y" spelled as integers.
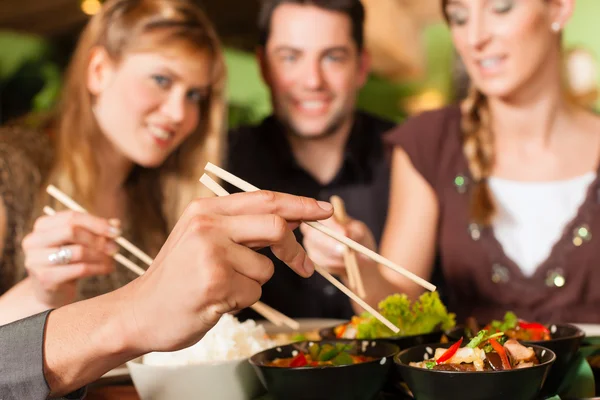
{"x": 357, "y": 150}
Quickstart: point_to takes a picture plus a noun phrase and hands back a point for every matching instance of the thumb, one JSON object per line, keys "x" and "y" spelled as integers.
{"x": 359, "y": 232}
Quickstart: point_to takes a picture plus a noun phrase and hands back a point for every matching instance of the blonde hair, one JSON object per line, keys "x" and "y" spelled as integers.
{"x": 161, "y": 194}
{"x": 478, "y": 147}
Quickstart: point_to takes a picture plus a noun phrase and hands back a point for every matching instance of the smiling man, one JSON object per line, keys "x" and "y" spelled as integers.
{"x": 316, "y": 143}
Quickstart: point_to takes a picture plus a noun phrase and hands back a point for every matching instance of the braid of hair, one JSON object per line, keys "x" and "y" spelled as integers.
{"x": 478, "y": 146}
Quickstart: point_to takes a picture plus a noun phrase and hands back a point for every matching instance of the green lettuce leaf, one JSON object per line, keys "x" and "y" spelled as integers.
{"x": 425, "y": 315}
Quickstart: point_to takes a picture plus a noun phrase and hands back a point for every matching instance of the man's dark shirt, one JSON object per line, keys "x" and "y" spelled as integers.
{"x": 262, "y": 156}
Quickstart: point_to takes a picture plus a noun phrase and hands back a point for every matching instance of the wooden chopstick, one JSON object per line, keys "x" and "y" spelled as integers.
{"x": 273, "y": 315}
{"x": 355, "y": 280}
{"x": 70, "y": 203}
{"x": 133, "y": 267}
{"x": 212, "y": 185}
{"x": 247, "y": 187}
{"x": 340, "y": 216}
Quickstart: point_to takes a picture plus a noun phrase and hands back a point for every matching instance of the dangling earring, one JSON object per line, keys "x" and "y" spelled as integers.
{"x": 555, "y": 26}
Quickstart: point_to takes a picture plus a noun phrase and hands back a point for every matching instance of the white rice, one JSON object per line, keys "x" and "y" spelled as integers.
{"x": 228, "y": 340}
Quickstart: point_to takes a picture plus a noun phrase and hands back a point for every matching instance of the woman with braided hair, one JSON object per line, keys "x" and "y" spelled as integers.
{"x": 505, "y": 186}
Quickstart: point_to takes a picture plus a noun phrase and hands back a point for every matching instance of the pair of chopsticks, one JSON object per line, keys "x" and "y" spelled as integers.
{"x": 272, "y": 315}
{"x": 247, "y": 187}
{"x": 359, "y": 248}
{"x": 352, "y": 270}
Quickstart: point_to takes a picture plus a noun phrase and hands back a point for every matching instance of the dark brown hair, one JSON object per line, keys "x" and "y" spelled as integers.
{"x": 352, "y": 8}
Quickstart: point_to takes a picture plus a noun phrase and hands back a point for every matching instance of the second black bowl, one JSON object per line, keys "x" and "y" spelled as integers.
{"x": 361, "y": 381}
{"x": 515, "y": 384}
{"x": 565, "y": 343}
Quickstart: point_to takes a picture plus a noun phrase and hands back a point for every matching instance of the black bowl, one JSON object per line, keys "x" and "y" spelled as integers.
{"x": 565, "y": 343}
{"x": 358, "y": 381}
{"x": 516, "y": 384}
{"x": 403, "y": 342}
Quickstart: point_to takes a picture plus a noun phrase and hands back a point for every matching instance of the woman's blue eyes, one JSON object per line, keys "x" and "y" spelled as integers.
{"x": 161, "y": 80}
{"x": 195, "y": 96}
{"x": 164, "y": 82}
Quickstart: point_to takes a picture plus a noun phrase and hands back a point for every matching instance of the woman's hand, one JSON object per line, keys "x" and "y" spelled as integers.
{"x": 64, "y": 248}
{"x": 329, "y": 253}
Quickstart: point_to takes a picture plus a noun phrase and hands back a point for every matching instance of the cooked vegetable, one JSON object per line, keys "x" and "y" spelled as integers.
{"x": 450, "y": 352}
{"x": 483, "y": 353}
{"x": 425, "y": 315}
{"x": 510, "y": 322}
{"x": 519, "y": 329}
{"x": 284, "y": 338}
{"x": 321, "y": 356}
{"x": 535, "y": 330}
{"x": 502, "y": 353}
{"x": 298, "y": 361}
{"x": 481, "y": 338}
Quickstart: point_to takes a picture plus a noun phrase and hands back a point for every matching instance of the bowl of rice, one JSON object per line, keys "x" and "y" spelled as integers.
{"x": 215, "y": 368}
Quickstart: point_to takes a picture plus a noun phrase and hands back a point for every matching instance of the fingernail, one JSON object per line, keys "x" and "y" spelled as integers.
{"x": 114, "y": 231}
{"x": 308, "y": 266}
{"x": 325, "y": 205}
{"x": 111, "y": 248}
{"x": 115, "y": 222}
{"x": 339, "y": 248}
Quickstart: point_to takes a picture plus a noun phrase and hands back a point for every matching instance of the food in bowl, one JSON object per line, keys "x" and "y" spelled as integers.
{"x": 324, "y": 355}
{"x": 283, "y": 338}
{"x": 362, "y": 380}
{"x": 228, "y": 340}
{"x": 425, "y": 315}
{"x": 215, "y": 368}
{"x": 431, "y": 384}
{"x": 484, "y": 352}
{"x": 563, "y": 340}
{"x": 515, "y": 328}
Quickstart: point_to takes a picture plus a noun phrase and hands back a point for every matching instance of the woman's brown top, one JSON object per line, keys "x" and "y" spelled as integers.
{"x": 25, "y": 159}
{"x": 482, "y": 281}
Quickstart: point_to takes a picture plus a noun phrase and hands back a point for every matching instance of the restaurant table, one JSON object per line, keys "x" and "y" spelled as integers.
{"x": 112, "y": 392}
{"x": 127, "y": 392}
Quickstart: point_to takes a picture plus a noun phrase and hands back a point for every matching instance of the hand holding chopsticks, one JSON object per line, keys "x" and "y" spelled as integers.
{"x": 269, "y": 313}
{"x": 219, "y": 191}
{"x": 247, "y": 187}
{"x": 71, "y": 204}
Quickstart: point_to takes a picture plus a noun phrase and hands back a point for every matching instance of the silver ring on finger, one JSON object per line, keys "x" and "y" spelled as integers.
{"x": 62, "y": 257}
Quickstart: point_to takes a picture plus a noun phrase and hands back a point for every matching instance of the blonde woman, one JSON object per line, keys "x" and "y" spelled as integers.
{"x": 141, "y": 113}
{"x": 506, "y": 186}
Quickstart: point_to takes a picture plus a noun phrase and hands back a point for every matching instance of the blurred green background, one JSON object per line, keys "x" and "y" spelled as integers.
{"x": 30, "y": 75}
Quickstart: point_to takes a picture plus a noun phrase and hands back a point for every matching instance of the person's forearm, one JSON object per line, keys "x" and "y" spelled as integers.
{"x": 19, "y": 302}
{"x": 85, "y": 340}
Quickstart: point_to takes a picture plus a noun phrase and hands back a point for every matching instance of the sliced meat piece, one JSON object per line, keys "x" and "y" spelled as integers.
{"x": 518, "y": 352}
{"x": 494, "y": 361}
{"x": 455, "y": 367}
{"x": 524, "y": 365}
